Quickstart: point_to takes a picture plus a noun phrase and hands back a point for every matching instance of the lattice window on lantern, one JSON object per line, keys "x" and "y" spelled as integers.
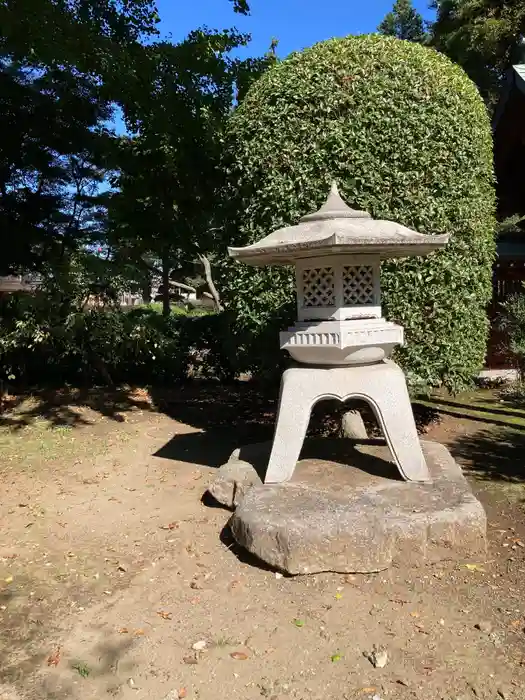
{"x": 358, "y": 285}
{"x": 318, "y": 287}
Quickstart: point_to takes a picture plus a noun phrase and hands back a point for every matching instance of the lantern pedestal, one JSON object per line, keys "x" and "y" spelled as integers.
{"x": 356, "y": 342}
{"x": 381, "y": 385}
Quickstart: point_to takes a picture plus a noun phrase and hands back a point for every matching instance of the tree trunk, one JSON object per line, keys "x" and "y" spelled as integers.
{"x": 146, "y": 289}
{"x": 209, "y": 281}
{"x": 166, "y": 307}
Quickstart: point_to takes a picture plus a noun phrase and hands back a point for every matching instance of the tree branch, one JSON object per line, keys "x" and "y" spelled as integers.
{"x": 209, "y": 281}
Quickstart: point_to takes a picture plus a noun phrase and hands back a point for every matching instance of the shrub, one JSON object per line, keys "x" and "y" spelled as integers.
{"x": 42, "y": 345}
{"x": 407, "y": 137}
{"x": 511, "y": 320}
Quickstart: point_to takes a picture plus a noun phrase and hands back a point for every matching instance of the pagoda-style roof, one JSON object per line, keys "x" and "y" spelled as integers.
{"x": 336, "y": 229}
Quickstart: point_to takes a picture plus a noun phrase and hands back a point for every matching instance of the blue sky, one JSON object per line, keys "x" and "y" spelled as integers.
{"x": 295, "y": 23}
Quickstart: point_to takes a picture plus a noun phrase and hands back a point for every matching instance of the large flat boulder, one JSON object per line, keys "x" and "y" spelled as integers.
{"x": 357, "y": 516}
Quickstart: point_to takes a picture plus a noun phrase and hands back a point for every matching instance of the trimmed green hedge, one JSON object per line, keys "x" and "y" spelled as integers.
{"x": 407, "y": 137}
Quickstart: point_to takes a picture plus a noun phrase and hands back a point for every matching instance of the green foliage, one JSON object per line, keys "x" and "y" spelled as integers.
{"x": 404, "y": 22}
{"x": 62, "y": 65}
{"x": 170, "y": 174}
{"x": 511, "y": 227}
{"x": 407, "y": 137}
{"x": 51, "y": 165}
{"x": 483, "y": 36}
{"x": 39, "y": 345}
{"x": 511, "y": 320}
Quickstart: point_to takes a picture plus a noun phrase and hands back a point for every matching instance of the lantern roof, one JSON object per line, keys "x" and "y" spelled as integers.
{"x": 337, "y": 229}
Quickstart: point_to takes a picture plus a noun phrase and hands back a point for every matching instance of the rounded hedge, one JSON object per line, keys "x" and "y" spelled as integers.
{"x": 407, "y": 137}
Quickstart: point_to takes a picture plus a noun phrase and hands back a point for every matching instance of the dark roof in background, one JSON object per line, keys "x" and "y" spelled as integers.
{"x": 515, "y": 79}
{"x": 509, "y": 248}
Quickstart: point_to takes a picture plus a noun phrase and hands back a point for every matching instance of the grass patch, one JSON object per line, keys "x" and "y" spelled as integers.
{"x": 81, "y": 668}
{"x": 37, "y": 441}
{"x": 483, "y": 405}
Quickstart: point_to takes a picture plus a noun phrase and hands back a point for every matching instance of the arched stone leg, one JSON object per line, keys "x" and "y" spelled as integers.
{"x": 295, "y": 404}
{"x": 390, "y": 400}
{"x": 382, "y": 385}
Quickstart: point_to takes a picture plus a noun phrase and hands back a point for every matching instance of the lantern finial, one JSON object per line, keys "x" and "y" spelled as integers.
{"x": 335, "y": 208}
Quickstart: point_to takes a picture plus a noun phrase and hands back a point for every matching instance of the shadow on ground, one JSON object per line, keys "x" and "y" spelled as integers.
{"x": 496, "y": 454}
{"x": 63, "y": 407}
{"x": 227, "y": 416}
{"x": 26, "y": 649}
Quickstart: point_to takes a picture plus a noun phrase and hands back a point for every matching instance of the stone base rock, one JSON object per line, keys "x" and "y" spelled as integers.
{"x": 358, "y": 518}
{"x": 353, "y": 426}
{"x": 244, "y": 469}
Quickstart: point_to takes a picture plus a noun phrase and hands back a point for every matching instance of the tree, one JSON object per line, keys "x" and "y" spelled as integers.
{"x": 483, "y": 36}
{"x": 170, "y": 176}
{"x": 404, "y": 22}
{"x": 425, "y": 160}
{"x": 52, "y": 158}
{"x": 61, "y": 67}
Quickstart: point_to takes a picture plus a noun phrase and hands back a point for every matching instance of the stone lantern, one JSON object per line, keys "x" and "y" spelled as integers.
{"x": 341, "y": 344}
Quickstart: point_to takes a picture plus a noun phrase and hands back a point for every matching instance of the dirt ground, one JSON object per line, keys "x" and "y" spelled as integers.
{"x": 117, "y": 580}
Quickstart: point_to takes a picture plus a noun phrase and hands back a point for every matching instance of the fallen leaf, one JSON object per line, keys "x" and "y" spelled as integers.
{"x": 138, "y": 633}
{"x": 475, "y": 567}
{"x": 195, "y": 601}
{"x": 170, "y": 526}
{"x": 239, "y": 655}
{"x": 123, "y": 630}
{"x": 298, "y": 623}
{"x": 199, "y": 646}
{"x": 190, "y": 660}
{"x": 182, "y": 693}
{"x": 369, "y": 689}
{"x": 335, "y": 657}
{"x": 338, "y": 596}
{"x": 164, "y": 615}
{"x": 9, "y": 579}
{"x": 54, "y": 658}
{"x": 122, "y": 567}
{"x": 414, "y": 614}
{"x": 516, "y": 623}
